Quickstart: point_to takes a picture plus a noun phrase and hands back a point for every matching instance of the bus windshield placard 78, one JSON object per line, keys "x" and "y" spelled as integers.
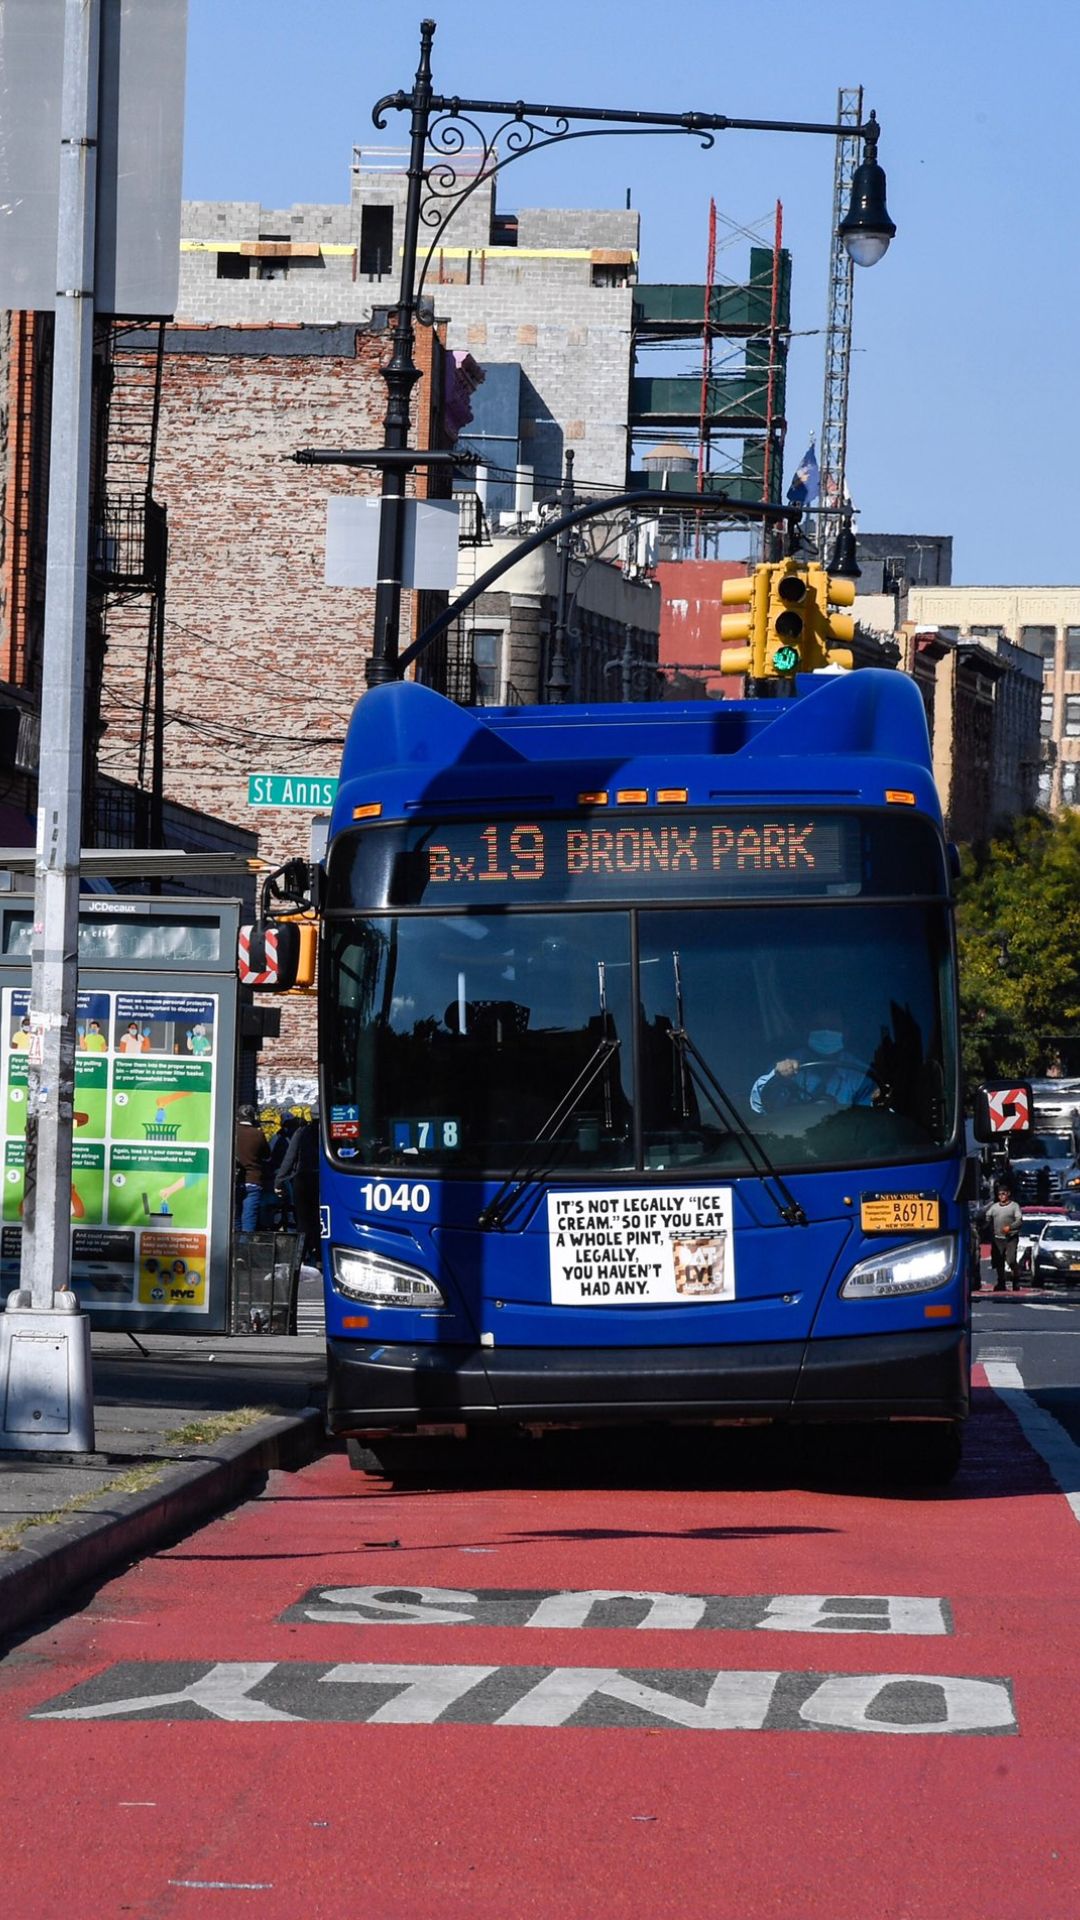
{"x": 597, "y": 857}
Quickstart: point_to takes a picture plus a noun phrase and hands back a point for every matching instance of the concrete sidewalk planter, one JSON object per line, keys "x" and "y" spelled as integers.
{"x": 265, "y": 1279}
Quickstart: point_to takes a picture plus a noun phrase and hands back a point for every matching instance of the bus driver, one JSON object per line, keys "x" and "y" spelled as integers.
{"x": 826, "y": 1070}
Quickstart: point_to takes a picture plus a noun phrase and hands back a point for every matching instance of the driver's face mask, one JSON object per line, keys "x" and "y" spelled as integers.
{"x": 826, "y": 1040}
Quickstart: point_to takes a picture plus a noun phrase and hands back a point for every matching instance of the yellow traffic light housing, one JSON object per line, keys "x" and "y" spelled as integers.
{"x": 791, "y": 620}
{"x": 787, "y": 625}
{"x": 832, "y": 627}
{"x": 751, "y": 592}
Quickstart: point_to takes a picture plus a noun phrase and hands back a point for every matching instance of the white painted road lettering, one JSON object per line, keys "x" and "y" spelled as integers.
{"x": 605, "y": 1607}
{"x": 379, "y": 1693}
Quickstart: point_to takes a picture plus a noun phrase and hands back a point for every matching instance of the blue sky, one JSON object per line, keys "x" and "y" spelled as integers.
{"x": 964, "y": 408}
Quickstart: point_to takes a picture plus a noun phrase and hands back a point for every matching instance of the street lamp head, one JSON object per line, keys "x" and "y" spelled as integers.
{"x": 866, "y": 228}
{"x": 844, "y": 558}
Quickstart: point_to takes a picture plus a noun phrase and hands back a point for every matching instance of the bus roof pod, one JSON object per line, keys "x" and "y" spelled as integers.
{"x": 404, "y": 724}
{"x": 874, "y": 711}
{"x": 407, "y": 743}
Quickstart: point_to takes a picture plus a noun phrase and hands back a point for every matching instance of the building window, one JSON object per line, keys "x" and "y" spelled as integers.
{"x": 487, "y": 659}
{"x": 1072, "y": 649}
{"x": 376, "y": 241}
{"x": 1043, "y": 791}
{"x": 984, "y": 633}
{"x": 233, "y": 266}
{"x": 1072, "y": 716}
{"x": 1046, "y": 717}
{"x": 1070, "y": 772}
{"x": 1040, "y": 640}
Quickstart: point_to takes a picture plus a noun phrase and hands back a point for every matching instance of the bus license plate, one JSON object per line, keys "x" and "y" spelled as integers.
{"x": 899, "y": 1212}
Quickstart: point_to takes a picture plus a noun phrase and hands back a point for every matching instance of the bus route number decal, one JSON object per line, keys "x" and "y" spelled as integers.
{"x": 380, "y": 1197}
{"x": 423, "y": 1136}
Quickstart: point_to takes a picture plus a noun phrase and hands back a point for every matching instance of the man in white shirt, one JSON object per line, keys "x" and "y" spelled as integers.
{"x": 1003, "y": 1219}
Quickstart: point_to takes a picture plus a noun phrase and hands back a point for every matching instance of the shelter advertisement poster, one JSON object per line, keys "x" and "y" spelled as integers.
{"x": 652, "y": 1244}
{"x": 143, "y": 1150}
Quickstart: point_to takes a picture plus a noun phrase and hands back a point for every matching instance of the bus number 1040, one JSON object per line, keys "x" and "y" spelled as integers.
{"x": 379, "y": 1196}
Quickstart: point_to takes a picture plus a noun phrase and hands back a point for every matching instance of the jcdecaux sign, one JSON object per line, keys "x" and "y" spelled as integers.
{"x": 292, "y": 790}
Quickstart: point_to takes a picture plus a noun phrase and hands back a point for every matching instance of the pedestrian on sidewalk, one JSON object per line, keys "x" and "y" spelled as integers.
{"x": 276, "y": 1211}
{"x": 252, "y": 1152}
{"x": 299, "y": 1172}
{"x": 1004, "y": 1219}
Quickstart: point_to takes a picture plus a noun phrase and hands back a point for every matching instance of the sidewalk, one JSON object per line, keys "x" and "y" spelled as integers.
{"x": 149, "y": 1479}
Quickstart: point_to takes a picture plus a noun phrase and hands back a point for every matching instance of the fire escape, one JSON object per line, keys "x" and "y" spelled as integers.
{"x": 131, "y": 558}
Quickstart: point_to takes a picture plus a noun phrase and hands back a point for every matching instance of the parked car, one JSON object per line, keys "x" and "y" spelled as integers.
{"x": 1034, "y": 1220}
{"x": 1057, "y": 1252}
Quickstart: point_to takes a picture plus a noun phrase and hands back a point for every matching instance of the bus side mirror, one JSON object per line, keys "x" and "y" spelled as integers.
{"x": 1002, "y": 1107}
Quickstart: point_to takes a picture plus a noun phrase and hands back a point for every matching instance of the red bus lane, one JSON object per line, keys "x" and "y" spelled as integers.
{"x": 349, "y": 1699}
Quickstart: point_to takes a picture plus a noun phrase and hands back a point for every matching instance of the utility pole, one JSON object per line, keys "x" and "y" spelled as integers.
{"x": 49, "y": 1400}
{"x": 401, "y": 375}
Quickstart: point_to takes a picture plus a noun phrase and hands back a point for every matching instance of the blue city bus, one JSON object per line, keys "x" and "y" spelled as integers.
{"x": 639, "y": 1070}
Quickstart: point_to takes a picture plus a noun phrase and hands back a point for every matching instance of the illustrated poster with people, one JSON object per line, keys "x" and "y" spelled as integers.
{"x": 142, "y": 1153}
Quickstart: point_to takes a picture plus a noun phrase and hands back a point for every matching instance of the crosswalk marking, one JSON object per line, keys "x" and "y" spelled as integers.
{"x": 1040, "y": 1429}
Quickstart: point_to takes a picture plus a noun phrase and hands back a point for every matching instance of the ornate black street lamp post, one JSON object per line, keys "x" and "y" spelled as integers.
{"x": 437, "y": 138}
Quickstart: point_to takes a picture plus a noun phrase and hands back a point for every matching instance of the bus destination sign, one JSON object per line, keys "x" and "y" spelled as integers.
{"x": 588, "y": 858}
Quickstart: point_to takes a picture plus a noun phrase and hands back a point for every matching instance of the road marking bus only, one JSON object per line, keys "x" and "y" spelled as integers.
{"x": 378, "y": 1693}
{"x": 605, "y": 1607}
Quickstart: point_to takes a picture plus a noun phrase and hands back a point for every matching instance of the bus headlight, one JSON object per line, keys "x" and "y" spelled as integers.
{"x": 916, "y": 1268}
{"x": 361, "y": 1275}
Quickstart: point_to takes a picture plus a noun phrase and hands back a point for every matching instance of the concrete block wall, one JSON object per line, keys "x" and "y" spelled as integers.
{"x": 317, "y": 295}
{"x": 575, "y": 351}
{"x": 572, "y": 339}
{"x": 603, "y": 227}
{"x": 470, "y": 225}
{"x": 219, "y": 220}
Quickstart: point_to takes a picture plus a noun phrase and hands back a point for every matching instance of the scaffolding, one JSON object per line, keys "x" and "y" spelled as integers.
{"x": 832, "y": 460}
{"x": 737, "y": 394}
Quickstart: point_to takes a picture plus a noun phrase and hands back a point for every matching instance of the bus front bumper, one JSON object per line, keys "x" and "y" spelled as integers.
{"x": 379, "y": 1389}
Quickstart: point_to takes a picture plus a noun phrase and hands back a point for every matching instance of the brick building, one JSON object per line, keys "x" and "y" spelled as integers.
{"x": 1044, "y": 621}
{"x": 262, "y": 661}
{"x": 548, "y": 290}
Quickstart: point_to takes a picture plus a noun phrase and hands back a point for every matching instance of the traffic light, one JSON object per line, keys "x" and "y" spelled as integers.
{"x": 831, "y": 627}
{"x": 751, "y": 592}
{"x": 791, "y": 620}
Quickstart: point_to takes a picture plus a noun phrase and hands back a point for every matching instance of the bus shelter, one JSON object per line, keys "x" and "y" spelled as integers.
{"x": 155, "y": 1088}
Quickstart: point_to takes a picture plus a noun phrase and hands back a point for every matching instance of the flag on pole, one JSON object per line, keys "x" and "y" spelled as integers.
{"x": 803, "y": 490}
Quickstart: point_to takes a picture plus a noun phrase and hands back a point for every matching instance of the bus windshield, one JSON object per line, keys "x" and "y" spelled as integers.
{"x": 452, "y": 1038}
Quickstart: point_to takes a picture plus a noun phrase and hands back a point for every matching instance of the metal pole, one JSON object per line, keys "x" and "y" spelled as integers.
{"x": 157, "y": 771}
{"x": 400, "y": 374}
{"x": 46, "y": 1249}
{"x": 558, "y": 683}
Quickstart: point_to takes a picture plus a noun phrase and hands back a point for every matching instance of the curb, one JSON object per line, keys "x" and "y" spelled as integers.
{"x": 58, "y": 1558}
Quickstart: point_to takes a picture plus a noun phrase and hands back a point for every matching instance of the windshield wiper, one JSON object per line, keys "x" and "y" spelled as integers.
{"x": 498, "y": 1210}
{"x": 693, "y": 1065}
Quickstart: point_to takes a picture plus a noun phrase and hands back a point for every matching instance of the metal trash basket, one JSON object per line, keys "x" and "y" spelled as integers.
{"x": 265, "y": 1277}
